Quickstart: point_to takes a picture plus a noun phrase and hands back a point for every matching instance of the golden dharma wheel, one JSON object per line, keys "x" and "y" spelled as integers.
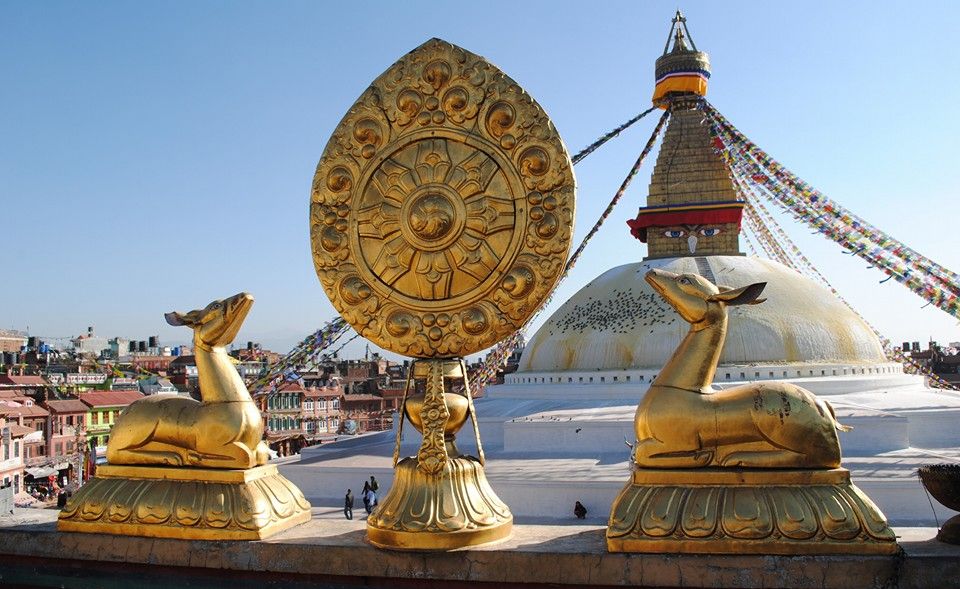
{"x": 442, "y": 208}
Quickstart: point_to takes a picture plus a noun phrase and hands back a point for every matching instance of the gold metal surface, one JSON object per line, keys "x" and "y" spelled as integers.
{"x": 439, "y": 499}
{"x": 453, "y": 508}
{"x": 750, "y": 469}
{"x": 224, "y": 430}
{"x": 179, "y": 468}
{"x": 185, "y": 502}
{"x": 683, "y": 423}
{"x": 733, "y": 511}
{"x": 442, "y": 208}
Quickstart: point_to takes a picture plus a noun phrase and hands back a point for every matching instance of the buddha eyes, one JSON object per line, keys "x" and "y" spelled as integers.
{"x": 678, "y": 233}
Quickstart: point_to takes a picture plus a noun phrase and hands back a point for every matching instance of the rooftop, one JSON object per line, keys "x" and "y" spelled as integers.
{"x": 22, "y": 380}
{"x": 66, "y": 406}
{"x": 24, "y": 410}
{"x": 110, "y": 398}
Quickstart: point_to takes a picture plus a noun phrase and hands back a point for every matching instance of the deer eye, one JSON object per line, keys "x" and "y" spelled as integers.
{"x": 709, "y": 232}
{"x": 674, "y": 233}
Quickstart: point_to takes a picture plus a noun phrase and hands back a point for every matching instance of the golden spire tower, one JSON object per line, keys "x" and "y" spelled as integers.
{"x": 692, "y": 206}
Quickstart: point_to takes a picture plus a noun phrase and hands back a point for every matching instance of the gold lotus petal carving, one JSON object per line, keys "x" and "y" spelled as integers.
{"x": 445, "y": 190}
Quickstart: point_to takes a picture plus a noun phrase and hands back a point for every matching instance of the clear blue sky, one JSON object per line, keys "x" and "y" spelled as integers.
{"x": 159, "y": 155}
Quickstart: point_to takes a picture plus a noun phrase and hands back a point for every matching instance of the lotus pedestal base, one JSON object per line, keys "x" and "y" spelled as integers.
{"x": 453, "y": 509}
{"x": 729, "y": 511}
{"x": 188, "y": 503}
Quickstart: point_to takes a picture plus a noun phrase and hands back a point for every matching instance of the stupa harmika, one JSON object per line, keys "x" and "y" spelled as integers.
{"x": 557, "y": 431}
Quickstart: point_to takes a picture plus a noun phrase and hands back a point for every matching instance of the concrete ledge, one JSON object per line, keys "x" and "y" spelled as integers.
{"x": 332, "y": 552}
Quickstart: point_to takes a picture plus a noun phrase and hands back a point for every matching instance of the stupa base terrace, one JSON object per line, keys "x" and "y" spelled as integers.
{"x": 550, "y": 445}
{"x": 329, "y": 552}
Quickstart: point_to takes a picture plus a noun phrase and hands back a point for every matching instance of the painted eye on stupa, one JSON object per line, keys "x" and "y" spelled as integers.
{"x": 674, "y": 233}
{"x": 709, "y": 232}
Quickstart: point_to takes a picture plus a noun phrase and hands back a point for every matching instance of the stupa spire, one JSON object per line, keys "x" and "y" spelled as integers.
{"x": 692, "y": 206}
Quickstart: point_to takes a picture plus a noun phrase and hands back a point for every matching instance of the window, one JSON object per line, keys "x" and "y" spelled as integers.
{"x": 308, "y": 405}
{"x": 335, "y": 404}
{"x": 322, "y": 404}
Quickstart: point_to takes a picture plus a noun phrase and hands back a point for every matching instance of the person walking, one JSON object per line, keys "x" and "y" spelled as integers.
{"x": 375, "y": 487}
{"x": 348, "y": 505}
{"x": 365, "y": 495}
{"x": 370, "y": 501}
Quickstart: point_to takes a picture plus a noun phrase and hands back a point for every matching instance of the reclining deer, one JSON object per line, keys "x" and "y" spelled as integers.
{"x": 224, "y": 430}
{"x": 683, "y": 422}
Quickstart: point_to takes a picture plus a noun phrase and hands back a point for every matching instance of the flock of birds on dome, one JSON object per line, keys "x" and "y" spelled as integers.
{"x": 624, "y": 312}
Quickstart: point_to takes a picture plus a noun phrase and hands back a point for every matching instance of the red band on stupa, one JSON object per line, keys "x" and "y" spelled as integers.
{"x": 704, "y": 213}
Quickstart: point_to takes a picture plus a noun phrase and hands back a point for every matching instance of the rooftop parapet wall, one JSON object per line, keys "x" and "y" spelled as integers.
{"x": 332, "y": 553}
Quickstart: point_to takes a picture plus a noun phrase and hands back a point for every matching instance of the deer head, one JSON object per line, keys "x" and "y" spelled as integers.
{"x": 217, "y": 323}
{"x": 698, "y": 300}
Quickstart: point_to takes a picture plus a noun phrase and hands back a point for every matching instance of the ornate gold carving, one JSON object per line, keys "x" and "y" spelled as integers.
{"x": 454, "y": 508}
{"x": 189, "y": 503}
{"x": 683, "y": 423}
{"x": 225, "y": 430}
{"x": 179, "y": 468}
{"x": 432, "y": 457}
{"x": 738, "y": 511}
{"x": 707, "y": 503}
{"x": 439, "y": 499}
{"x": 442, "y": 207}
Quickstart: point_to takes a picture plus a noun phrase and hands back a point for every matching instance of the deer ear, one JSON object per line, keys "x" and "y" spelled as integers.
{"x": 174, "y": 318}
{"x": 189, "y": 319}
{"x": 746, "y": 295}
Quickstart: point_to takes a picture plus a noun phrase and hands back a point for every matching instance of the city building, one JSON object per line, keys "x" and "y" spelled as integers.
{"x": 153, "y": 385}
{"x": 321, "y": 411}
{"x": 12, "y": 433}
{"x": 363, "y": 412}
{"x": 153, "y": 363}
{"x": 24, "y": 410}
{"x": 103, "y": 407}
{"x": 942, "y": 361}
{"x": 65, "y": 426}
{"x": 90, "y": 344}
{"x": 182, "y": 372}
{"x": 12, "y": 340}
{"x": 283, "y": 418}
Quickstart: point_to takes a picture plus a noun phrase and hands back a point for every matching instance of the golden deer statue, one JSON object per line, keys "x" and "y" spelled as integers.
{"x": 224, "y": 430}
{"x": 683, "y": 422}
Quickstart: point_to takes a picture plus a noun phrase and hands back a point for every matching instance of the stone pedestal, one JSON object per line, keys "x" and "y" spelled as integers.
{"x": 731, "y": 511}
{"x": 188, "y": 503}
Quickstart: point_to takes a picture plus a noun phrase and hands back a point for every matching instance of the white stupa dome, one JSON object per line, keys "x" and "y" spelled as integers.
{"x": 617, "y": 321}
